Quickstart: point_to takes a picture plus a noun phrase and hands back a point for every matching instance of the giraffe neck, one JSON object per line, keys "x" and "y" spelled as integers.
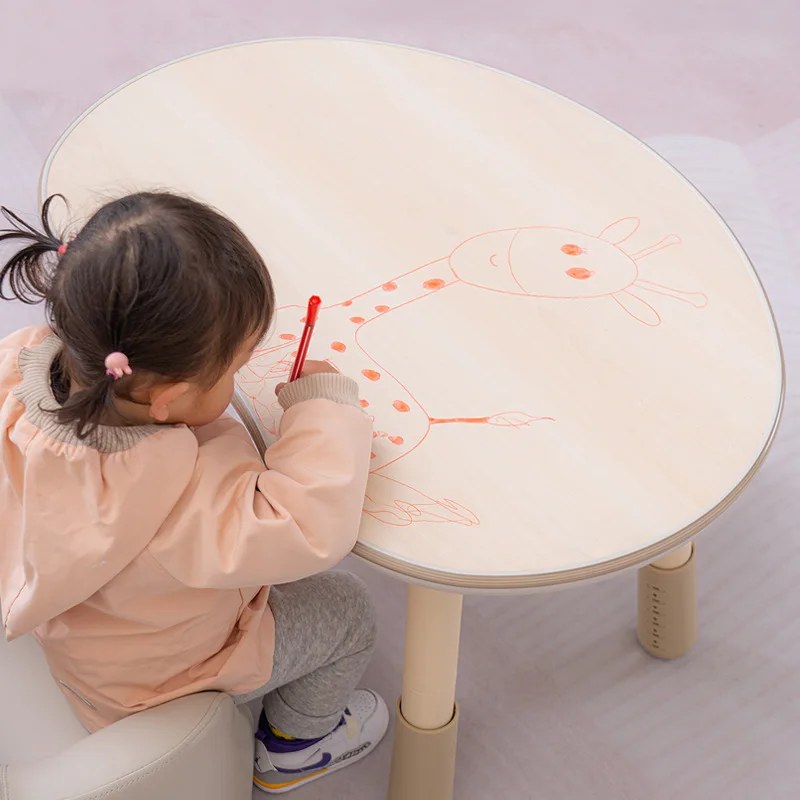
{"x": 400, "y": 291}
{"x": 401, "y": 423}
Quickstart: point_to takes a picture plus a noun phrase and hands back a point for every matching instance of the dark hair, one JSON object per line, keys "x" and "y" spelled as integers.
{"x": 168, "y": 281}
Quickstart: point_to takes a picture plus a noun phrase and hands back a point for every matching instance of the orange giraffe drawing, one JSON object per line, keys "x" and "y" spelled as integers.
{"x": 537, "y": 262}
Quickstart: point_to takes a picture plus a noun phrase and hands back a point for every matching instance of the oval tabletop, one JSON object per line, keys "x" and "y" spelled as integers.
{"x": 571, "y": 364}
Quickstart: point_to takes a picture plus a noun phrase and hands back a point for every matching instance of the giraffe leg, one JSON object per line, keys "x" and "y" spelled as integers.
{"x": 395, "y": 503}
{"x": 507, "y": 419}
{"x": 259, "y": 377}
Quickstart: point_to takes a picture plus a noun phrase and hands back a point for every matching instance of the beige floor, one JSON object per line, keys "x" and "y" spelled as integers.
{"x": 558, "y": 701}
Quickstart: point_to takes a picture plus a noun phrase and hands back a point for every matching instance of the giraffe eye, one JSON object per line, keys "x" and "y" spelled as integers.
{"x": 572, "y": 249}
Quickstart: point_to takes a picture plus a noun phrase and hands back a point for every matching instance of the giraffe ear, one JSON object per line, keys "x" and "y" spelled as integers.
{"x": 620, "y": 230}
{"x": 639, "y": 309}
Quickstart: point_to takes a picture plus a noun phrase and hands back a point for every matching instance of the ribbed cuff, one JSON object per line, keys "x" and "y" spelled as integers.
{"x": 320, "y": 386}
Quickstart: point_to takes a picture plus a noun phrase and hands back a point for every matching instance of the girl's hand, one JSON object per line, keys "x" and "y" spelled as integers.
{"x": 310, "y": 368}
{"x": 313, "y": 367}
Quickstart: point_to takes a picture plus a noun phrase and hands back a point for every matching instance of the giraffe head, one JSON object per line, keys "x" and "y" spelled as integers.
{"x": 562, "y": 263}
{"x": 541, "y": 261}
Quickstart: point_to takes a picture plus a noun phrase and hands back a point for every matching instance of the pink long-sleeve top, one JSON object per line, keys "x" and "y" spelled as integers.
{"x": 141, "y": 557}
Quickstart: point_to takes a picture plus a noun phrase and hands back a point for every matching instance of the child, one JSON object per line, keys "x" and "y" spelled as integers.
{"x": 141, "y": 531}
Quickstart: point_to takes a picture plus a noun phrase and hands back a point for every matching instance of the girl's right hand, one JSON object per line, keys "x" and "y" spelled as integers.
{"x": 310, "y": 368}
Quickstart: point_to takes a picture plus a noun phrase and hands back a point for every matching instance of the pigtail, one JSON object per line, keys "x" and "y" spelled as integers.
{"x": 29, "y": 272}
{"x": 83, "y": 410}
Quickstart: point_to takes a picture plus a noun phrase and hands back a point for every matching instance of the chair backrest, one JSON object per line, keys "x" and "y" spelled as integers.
{"x": 37, "y": 719}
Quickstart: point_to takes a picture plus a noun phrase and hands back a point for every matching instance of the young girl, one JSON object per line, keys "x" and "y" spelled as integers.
{"x": 141, "y": 530}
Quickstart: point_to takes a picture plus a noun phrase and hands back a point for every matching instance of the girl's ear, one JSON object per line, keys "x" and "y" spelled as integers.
{"x": 162, "y": 397}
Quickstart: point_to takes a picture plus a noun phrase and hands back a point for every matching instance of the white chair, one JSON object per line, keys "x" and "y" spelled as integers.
{"x": 198, "y": 747}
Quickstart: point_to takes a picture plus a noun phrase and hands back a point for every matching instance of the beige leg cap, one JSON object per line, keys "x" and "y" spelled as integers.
{"x": 668, "y": 609}
{"x": 423, "y": 762}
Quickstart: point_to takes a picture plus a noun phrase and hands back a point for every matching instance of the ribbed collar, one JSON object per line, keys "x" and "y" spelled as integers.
{"x": 36, "y": 394}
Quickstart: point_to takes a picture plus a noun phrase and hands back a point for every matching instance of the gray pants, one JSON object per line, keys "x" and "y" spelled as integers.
{"x": 325, "y": 633}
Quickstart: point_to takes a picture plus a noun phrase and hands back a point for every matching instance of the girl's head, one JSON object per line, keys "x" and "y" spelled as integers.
{"x": 167, "y": 281}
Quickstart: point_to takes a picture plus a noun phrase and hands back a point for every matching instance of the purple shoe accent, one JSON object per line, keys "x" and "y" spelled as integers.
{"x": 323, "y": 762}
{"x": 275, "y": 744}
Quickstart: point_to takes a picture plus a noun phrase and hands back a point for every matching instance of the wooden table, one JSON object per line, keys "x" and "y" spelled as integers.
{"x": 570, "y": 361}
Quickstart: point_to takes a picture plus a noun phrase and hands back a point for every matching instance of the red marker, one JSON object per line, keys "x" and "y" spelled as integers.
{"x": 311, "y": 318}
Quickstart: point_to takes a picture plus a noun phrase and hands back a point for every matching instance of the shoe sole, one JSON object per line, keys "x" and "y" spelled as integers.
{"x": 295, "y": 784}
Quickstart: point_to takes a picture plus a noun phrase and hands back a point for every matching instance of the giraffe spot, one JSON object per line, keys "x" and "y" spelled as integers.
{"x": 374, "y": 434}
{"x": 573, "y": 250}
{"x": 347, "y": 303}
{"x": 433, "y": 283}
{"x": 579, "y": 273}
{"x": 396, "y": 439}
{"x": 401, "y": 406}
{"x": 287, "y": 337}
{"x": 373, "y": 455}
{"x": 338, "y": 347}
{"x": 381, "y": 309}
{"x": 357, "y": 320}
{"x": 389, "y": 287}
{"x": 364, "y": 403}
{"x": 371, "y": 375}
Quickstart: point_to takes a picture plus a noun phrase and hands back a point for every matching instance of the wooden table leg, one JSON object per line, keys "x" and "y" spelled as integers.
{"x": 667, "y": 625}
{"x": 426, "y": 730}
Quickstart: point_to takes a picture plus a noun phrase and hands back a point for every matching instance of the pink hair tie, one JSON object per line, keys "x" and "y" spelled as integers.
{"x": 62, "y": 248}
{"x": 117, "y": 365}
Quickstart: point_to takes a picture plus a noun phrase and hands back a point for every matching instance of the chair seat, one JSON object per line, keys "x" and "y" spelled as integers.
{"x": 37, "y": 719}
{"x": 200, "y": 746}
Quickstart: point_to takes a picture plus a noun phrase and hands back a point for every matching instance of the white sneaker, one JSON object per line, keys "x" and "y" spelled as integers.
{"x": 284, "y": 764}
